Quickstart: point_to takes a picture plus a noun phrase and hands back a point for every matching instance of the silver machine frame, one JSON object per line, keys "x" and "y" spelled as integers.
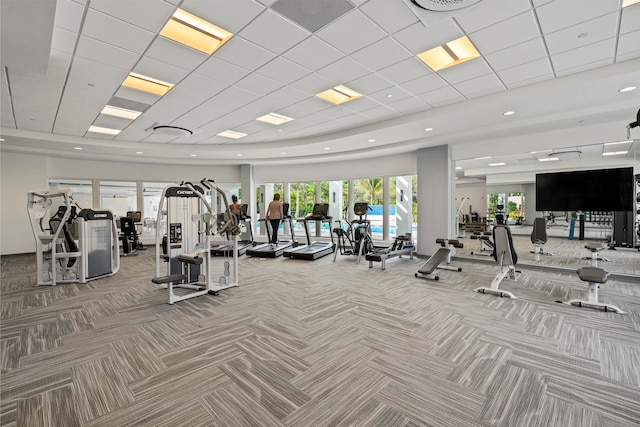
{"x": 97, "y": 244}
{"x": 190, "y": 219}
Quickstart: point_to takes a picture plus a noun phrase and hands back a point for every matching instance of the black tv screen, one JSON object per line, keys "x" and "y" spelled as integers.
{"x": 591, "y": 190}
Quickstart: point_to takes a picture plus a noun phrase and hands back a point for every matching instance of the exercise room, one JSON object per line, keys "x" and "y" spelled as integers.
{"x": 310, "y": 213}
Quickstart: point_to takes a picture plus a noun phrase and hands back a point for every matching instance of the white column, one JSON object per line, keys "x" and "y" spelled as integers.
{"x": 248, "y": 193}
{"x": 436, "y": 197}
{"x": 335, "y": 199}
{"x": 385, "y": 208}
{"x": 404, "y": 216}
{"x": 286, "y": 199}
{"x": 352, "y": 200}
{"x": 318, "y": 200}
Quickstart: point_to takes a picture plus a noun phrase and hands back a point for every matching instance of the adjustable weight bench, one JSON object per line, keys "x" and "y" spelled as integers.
{"x": 594, "y": 276}
{"x": 432, "y": 263}
{"x": 506, "y": 256}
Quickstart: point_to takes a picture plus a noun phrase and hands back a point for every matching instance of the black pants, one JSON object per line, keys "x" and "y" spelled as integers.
{"x": 275, "y": 223}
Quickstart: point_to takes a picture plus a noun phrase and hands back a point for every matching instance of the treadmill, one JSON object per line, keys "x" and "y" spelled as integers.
{"x": 268, "y": 250}
{"x": 246, "y": 239}
{"x": 313, "y": 250}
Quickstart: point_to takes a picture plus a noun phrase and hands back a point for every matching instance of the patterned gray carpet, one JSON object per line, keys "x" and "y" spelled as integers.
{"x": 303, "y": 343}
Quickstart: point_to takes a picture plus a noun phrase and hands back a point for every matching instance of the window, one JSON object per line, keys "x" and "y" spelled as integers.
{"x": 151, "y": 193}
{"x": 82, "y": 190}
{"x": 119, "y": 197}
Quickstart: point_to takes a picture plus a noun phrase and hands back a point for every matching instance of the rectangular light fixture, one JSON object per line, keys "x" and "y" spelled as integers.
{"x": 232, "y": 134}
{"x": 106, "y": 131}
{"x": 497, "y": 164}
{"x": 274, "y": 119}
{"x": 615, "y": 153}
{"x": 619, "y": 142}
{"x": 549, "y": 159}
{"x": 448, "y": 54}
{"x": 147, "y": 84}
{"x": 482, "y": 158}
{"x": 121, "y": 112}
{"x": 626, "y": 3}
{"x": 195, "y": 32}
{"x": 339, "y": 95}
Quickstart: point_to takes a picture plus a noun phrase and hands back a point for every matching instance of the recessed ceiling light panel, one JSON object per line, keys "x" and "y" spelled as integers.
{"x": 147, "y": 84}
{"x": 449, "y": 54}
{"x": 232, "y": 134}
{"x": 274, "y": 119}
{"x": 120, "y": 112}
{"x": 628, "y": 89}
{"x": 339, "y": 95}
{"x": 106, "y": 131}
{"x": 190, "y": 30}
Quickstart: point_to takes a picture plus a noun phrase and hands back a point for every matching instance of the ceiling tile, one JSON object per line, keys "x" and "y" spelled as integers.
{"x": 381, "y": 54}
{"x": 582, "y": 34}
{"x": 517, "y": 55}
{"x": 273, "y": 32}
{"x": 442, "y": 96}
{"x": 404, "y": 71}
{"x": 365, "y": 103}
{"x": 556, "y": 15}
{"x": 111, "y": 122}
{"x": 257, "y": 84}
{"x": 370, "y": 83}
{"x": 630, "y": 20}
{"x": 98, "y": 70}
{"x": 160, "y": 70}
{"x": 417, "y": 38}
{"x": 63, "y": 40}
{"x": 170, "y": 52}
{"x": 408, "y": 105}
{"x": 91, "y": 83}
{"x": 488, "y": 13}
{"x": 232, "y": 15}
{"x": 424, "y": 84}
{"x": 465, "y": 71}
{"x": 381, "y": 112}
{"x": 105, "y": 53}
{"x": 202, "y": 84}
{"x": 68, "y": 15}
{"x": 283, "y": 70}
{"x": 116, "y": 32}
{"x": 148, "y": 14}
{"x": 313, "y": 53}
{"x": 245, "y": 54}
{"x": 389, "y": 15}
{"x": 221, "y": 70}
{"x": 344, "y": 70}
{"x": 389, "y": 95}
{"x": 520, "y": 29}
{"x": 342, "y": 36}
{"x": 579, "y": 57}
{"x": 136, "y": 95}
{"x": 479, "y": 86}
{"x": 59, "y": 60}
{"x": 525, "y": 72}
{"x": 628, "y": 46}
{"x": 314, "y": 84}
{"x": 289, "y": 94}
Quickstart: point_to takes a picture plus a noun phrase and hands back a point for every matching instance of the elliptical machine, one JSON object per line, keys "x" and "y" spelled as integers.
{"x": 356, "y": 238}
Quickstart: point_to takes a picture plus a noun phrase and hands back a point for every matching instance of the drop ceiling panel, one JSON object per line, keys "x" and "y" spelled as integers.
{"x": 443, "y": 96}
{"x": 408, "y": 105}
{"x": 630, "y": 20}
{"x": 557, "y": 15}
{"x": 136, "y": 95}
{"x": 91, "y": 84}
{"x": 95, "y": 50}
{"x": 341, "y": 34}
{"x": 365, "y": 103}
{"x": 273, "y": 32}
{"x": 583, "y": 34}
{"x": 170, "y": 52}
{"x": 148, "y": 14}
{"x": 371, "y": 83}
{"x": 389, "y": 94}
{"x": 283, "y": 70}
{"x": 488, "y": 13}
{"x": 55, "y": 76}
{"x": 232, "y": 15}
{"x": 111, "y": 122}
{"x": 535, "y": 70}
{"x": 381, "y": 54}
{"x": 404, "y": 71}
{"x": 418, "y": 38}
{"x": 7, "y": 113}
{"x": 68, "y": 15}
{"x": 480, "y": 86}
{"x": 424, "y": 84}
{"x": 628, "y": 46}
{"x": 601, "y": 51}
{"x": 63, "y": 40}
{"x": 389, "y": 15}
{"x": 222, "y": 70}
{"x": 289, "y": 94}
{"x": 59, "y": 60}
{"x": 116, "y": 32}
{"x": 465, "y": 71}
{"x": 313, "y": 84}
{"x": 312, "y": 53}
{"x": 520, "y": 28}
{"x": 344, "y": 70}
{"x": 98, "y": 70}
{"x": 257, "y": 84}
{"x": 202, "y": 84}
{"x": 245, "y": 54}
{"x": 160, "y": 70}
{"x": 517, "y": 55}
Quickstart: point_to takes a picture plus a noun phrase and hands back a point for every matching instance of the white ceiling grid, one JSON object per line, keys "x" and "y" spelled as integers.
{"x": 272, "y": 64}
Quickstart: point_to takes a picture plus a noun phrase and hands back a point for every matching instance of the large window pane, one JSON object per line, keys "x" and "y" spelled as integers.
{"x": 151, "y": 193}
{"x": 82, "y": 190}
{"x": 370, "y": 190}
{"x": 119, "y": 197}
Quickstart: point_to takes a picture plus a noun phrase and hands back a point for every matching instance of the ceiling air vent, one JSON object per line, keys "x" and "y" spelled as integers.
{"x": 171, "y": 130}
{"x": 443, "y": 5}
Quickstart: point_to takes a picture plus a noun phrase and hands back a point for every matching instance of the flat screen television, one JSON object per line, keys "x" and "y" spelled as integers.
{"x": 590, "y": 190}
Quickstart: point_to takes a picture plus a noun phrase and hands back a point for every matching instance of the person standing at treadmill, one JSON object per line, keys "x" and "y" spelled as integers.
{"x": 274, "y": 215}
